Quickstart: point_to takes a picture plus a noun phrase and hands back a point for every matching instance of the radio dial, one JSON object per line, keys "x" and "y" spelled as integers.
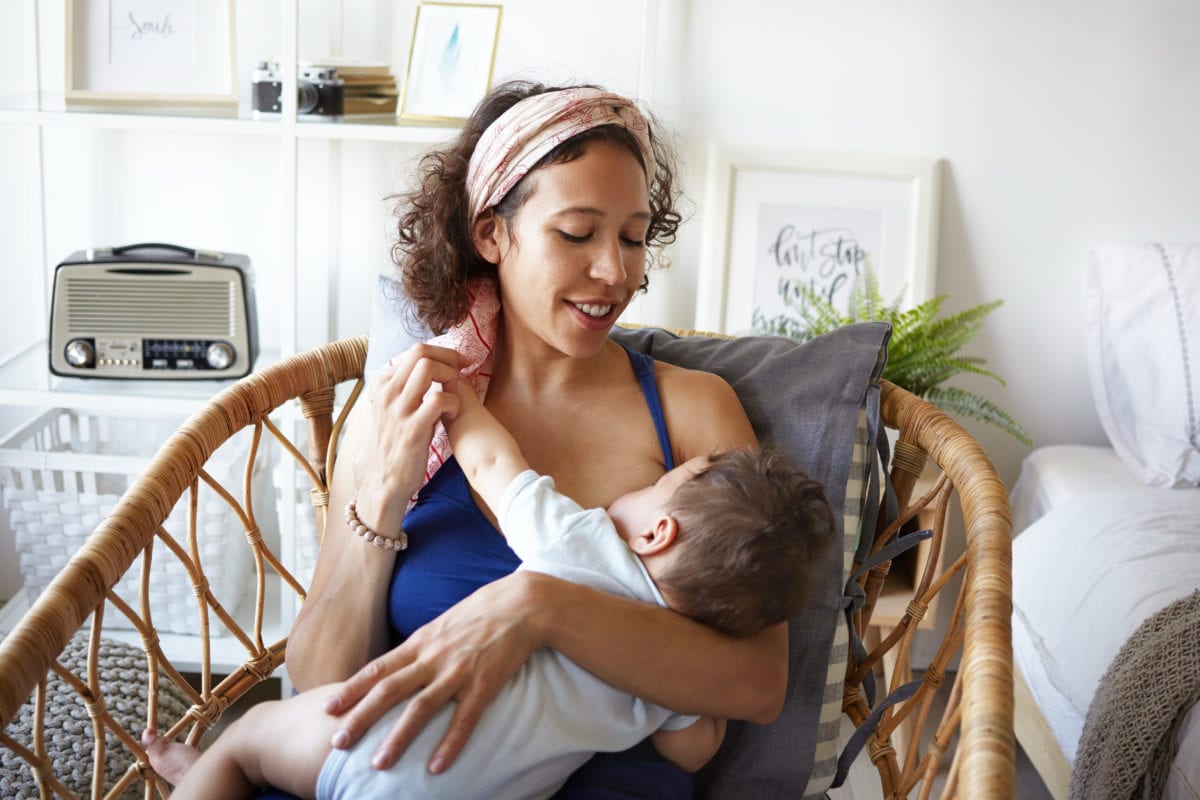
{"x": 80, "y": 353}
{"x": 219, "y": 355}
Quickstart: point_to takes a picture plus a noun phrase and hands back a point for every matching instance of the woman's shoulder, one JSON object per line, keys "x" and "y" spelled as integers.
{"x": 703, "y": 412}
{"x": 674, "y": 378}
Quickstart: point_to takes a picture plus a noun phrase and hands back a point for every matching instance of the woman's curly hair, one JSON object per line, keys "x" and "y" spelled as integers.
{"x": 434, "y": 249}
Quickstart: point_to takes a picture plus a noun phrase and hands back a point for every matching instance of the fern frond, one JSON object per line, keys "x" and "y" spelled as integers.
{"x": 960, "y": 402}
{"x": 818, "y": 313}
{"x": 920, "y": 378}
{"x": 924, "y": 351}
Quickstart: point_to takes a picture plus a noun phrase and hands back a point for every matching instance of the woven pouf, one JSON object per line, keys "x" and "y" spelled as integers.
{"x": 69, "y": 728}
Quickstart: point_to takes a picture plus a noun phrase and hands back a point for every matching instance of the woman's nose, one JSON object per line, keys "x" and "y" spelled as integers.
{"x": 608, "y": 264}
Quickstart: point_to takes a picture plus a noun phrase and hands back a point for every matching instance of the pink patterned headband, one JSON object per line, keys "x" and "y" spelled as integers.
{"x": 533, "y": 127}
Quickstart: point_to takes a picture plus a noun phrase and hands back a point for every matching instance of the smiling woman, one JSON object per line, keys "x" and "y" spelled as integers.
{"x": 523, "y": 243}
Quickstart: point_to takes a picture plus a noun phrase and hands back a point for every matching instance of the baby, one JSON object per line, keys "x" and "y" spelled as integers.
{"x": 726, "y": 540}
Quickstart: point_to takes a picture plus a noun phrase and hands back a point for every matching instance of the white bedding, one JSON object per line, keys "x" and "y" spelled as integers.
{"x": 1101, "y": 553}
{"x": 1052, "y": 475}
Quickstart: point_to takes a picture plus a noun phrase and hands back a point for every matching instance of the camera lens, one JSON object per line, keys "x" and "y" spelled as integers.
{"x": 307, "y": 97}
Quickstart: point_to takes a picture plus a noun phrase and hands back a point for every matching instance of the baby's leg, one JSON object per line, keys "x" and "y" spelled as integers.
{"x": 282, "y": 744}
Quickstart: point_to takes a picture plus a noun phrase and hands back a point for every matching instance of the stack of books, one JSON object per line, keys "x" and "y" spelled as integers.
{"x": 370, "y": 87}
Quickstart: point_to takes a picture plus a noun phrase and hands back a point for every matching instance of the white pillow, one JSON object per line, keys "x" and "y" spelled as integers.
{"x": 1144, "y": 356}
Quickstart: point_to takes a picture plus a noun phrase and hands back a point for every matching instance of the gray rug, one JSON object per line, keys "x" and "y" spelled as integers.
{"x": 69, "y": 739}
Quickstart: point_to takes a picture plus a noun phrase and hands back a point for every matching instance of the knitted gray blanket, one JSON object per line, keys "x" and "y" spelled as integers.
{"x": 1130, "y": 734}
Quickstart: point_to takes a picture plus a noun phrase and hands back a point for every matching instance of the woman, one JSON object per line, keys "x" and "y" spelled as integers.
{"x": 551, "y": 199}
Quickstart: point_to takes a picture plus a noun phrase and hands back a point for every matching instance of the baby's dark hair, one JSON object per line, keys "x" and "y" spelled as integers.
{"x": 750, "y": 528}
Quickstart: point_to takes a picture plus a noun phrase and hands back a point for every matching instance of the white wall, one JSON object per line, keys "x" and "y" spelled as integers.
{"x": 1062, "y": 124}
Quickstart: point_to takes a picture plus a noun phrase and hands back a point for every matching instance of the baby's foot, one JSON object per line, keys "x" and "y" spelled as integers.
{"x": 169, "y": 759}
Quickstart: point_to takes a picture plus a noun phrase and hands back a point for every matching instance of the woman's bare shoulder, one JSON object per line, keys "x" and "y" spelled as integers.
{"x": 703, "y": 412}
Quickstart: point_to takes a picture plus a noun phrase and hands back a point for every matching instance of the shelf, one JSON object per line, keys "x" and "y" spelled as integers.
{"x": 374, "y": 127}
{"x": 184, "y": 652}
{"x": 25, "y": 380}
{"x": 367, "y": 127}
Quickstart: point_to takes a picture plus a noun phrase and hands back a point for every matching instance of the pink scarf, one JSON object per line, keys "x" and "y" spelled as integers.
{"x": 474, "y": 338}
{"x": 505, "y": 153}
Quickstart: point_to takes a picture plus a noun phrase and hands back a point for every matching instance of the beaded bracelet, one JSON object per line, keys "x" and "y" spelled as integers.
{"x": 358, "y": 529}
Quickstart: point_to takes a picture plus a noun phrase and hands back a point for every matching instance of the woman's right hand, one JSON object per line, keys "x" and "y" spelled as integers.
{"x": 466, "y": 654}
{"x": 406, "y": 397}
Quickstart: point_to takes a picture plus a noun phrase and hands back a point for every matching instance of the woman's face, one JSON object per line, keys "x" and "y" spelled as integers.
{"x": 573, "y": 255}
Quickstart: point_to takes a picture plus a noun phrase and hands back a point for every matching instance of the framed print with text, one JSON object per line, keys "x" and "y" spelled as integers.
{"x": 151, "y": 51}
{"x": 778, "y": 220}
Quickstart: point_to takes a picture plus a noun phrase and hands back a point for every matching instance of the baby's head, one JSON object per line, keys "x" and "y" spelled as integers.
{"x": 729, "y": 539}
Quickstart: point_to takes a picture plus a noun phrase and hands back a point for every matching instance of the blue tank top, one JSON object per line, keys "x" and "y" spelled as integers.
{"x": 453, "y": 549}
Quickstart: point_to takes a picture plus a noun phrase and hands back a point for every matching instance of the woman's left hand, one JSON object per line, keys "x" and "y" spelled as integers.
{"x": 466, "y": 655}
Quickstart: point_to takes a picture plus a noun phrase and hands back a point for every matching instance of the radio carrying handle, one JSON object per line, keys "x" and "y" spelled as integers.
{"x": 195, "y": 255}
{"x": 120, "y": 251}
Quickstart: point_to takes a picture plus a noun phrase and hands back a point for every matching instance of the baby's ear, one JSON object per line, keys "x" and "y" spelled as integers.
{"x": 657, "y": 538}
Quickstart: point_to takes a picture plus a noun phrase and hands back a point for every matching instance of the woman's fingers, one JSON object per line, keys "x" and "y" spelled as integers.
{"x": 467, "y": 712}
{"x": 407, "y": 398}
{"x": 371, "y": 691}
{"x": 402, "y": 387}
{"x": 417, "y": 714}
{"x": 358, "y": 685}
{"x": 422, "y": 707}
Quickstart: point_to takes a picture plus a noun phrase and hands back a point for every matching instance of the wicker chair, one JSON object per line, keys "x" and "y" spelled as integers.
{"x": 978, "y": 717}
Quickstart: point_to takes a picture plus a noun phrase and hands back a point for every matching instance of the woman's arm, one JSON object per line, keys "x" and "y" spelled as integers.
{"x": 667, "y": 658}
{"x": 389, "y": 435}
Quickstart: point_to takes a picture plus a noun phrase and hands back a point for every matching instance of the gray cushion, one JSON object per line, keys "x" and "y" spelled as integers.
{"x": 810, "y": 400}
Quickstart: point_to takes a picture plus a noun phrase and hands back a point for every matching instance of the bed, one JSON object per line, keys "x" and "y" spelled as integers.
{"x": 1107, "y": 536}
{"x": 1097, "y": 551}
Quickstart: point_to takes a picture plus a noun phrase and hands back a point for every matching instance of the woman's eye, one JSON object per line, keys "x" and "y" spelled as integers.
{"x": 625, "y": 240}
{"x": 570, "y": 237}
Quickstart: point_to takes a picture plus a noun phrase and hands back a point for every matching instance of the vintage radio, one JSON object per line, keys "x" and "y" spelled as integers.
{"x": 153, "y": 311}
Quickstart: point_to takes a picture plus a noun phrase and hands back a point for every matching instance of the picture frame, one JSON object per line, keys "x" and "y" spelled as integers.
{"x": 780, "y": 218}
{"x": 450, "y": 60}
{"x": 177, "y": 52}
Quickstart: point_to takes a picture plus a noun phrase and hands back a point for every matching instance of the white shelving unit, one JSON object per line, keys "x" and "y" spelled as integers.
{"x": 302, "y": 198}
{"x": 25, "y": 381}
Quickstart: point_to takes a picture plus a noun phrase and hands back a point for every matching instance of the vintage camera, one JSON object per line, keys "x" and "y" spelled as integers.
{"x": 320, "y": 91}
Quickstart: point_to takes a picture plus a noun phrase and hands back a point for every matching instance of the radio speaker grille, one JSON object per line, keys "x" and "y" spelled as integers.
{"x": 177, "y": 307}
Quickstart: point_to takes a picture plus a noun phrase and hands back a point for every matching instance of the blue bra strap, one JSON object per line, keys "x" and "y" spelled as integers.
{"x": 643, "y": 368}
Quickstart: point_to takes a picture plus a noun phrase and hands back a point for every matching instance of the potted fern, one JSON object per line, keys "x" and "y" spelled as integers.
{"x": 924, "y": 350}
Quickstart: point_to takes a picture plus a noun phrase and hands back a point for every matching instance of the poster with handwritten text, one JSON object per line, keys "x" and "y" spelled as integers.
{"x": 160, "y": 50}
{"x": 801, "y": 249}
{"x": 814, "y": 223}
{"x": 151, "y": 32}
